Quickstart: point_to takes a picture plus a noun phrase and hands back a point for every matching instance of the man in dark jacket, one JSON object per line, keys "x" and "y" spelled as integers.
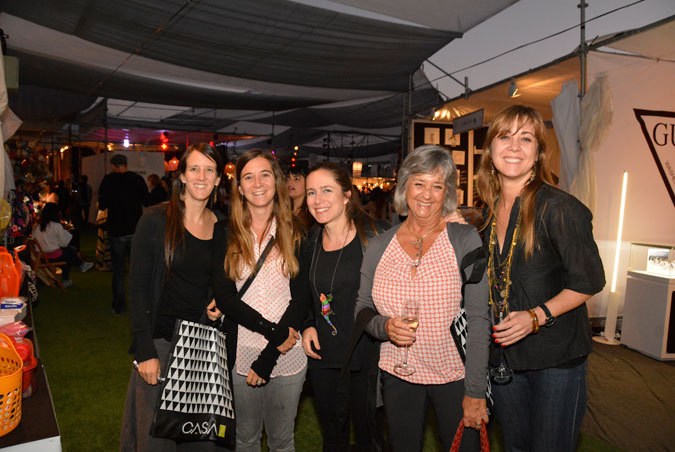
{"x": 122, "y": 192}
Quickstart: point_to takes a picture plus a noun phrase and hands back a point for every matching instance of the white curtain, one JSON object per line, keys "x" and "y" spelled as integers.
{"x": 9, "y": 124}
{"x": 596, "y": 117}
{"x": 565, "y": 109}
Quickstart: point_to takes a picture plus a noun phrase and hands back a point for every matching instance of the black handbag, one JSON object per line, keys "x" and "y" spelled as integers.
{"x": 460, "y": 325}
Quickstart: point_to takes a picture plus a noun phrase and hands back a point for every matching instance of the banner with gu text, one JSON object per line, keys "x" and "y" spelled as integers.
{"x": 658, "y": 128}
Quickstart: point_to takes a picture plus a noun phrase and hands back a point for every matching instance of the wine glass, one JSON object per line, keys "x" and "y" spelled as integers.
{"x": 501, "y": 374}
{"x": 410, "y": 314}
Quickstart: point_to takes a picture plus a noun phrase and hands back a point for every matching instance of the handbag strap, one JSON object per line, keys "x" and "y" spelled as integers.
{"x": 484, "y": 441}
{"x": 477, "y": 257}
{"x": 256, "y": 269}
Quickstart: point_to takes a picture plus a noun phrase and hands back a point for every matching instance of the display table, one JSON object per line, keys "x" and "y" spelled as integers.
{"x": 38, "y": 430}
{"x": 649, "y": 315}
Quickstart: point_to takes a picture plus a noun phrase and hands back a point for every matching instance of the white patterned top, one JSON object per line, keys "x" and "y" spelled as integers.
{"x": 269, "y": 294}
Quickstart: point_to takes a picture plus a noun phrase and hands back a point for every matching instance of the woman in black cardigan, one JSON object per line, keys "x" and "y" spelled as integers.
{"x": 170, "y": 278}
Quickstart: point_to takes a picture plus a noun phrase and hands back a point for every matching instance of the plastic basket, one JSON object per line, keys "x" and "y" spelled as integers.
{"x": 11, "y": 375}
{"x": 24, "y": 348}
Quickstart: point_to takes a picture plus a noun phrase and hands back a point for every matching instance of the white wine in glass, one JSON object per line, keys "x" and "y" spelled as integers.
{"x": 410, "y": 314}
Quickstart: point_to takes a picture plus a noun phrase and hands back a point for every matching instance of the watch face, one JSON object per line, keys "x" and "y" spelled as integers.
{"x": 549, "y": 321}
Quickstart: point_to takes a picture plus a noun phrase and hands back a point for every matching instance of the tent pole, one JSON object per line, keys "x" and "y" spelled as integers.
{"x": 583, "y": 49}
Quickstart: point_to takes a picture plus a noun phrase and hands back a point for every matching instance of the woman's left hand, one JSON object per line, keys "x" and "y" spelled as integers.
{"x": 475, "y": 412}
{"x": 513, "y": 328}
{"x": 253, "y": 379}
{"x": 212, "y": 311}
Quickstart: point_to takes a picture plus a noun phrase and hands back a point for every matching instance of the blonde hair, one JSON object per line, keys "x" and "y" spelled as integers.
{"x": 240, "y": 247}
{"x": 488, "y": 185}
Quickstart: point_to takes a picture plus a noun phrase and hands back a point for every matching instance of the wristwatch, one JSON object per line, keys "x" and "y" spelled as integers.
{"x": 550, "y": 320}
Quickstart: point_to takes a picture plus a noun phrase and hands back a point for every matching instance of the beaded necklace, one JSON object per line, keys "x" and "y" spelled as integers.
{"x": 499, "y": 276}
{"x": 326, "y": 299}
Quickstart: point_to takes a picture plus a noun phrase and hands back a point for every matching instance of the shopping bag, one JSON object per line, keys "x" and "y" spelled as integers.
{"x": 196, "y": 402}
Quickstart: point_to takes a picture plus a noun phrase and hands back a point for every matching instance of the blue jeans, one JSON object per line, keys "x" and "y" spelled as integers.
{"x": 542, "y": 410}
{"x": 120, "y": 251}
{"x": 274, "y": 404}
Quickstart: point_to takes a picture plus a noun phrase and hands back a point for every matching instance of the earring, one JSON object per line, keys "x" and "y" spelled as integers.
{"x": 492, "y": 171}
{"x": 532, "y": 174}
{"x": 182, "y": 188}
{"x": 215, "y": 195}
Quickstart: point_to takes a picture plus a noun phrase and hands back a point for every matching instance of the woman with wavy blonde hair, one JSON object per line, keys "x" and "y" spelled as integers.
{"x": 266, "y": 385}
{"x": 543, "y": 265}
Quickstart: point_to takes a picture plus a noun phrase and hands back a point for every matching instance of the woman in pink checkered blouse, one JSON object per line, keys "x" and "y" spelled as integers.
{"x": 419, "y": 259}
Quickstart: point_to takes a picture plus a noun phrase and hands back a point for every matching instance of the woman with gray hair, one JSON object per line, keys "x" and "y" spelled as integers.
{"x": 411, "y": 289}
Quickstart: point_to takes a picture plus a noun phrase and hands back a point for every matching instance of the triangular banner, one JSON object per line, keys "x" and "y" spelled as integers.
{"x": 658, "y": 128}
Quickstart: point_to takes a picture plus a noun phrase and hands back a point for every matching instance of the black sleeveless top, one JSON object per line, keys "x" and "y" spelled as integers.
{"x": 184, "y": 294}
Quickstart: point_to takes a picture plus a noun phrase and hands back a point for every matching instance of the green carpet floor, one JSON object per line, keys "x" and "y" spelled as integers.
{"x": 84, "y": 352}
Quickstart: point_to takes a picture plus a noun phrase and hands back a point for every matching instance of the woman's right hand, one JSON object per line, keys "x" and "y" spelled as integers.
{"x": 149, "y": 371}
{"x": 289, "y": 343}
{"x": 311, "y": 337}
{"x": 399, "y": 332}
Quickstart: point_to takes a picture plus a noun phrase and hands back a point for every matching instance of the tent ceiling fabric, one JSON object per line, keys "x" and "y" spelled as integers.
{"x": 272, "y": 40}
{"x": 441, "y": 15}
{"x": 643, "y": 43}
{"x": 315, "y": 67}
{"x": 538, "y": 86}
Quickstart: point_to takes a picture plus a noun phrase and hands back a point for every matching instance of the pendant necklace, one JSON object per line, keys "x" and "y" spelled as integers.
{"x": 499, "y": 274}
{"x": 417, "y": 243}
{"x": 326, "y": 299}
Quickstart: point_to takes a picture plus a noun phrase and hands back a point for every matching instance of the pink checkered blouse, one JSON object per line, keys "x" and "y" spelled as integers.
{"x": 437, "y": 288}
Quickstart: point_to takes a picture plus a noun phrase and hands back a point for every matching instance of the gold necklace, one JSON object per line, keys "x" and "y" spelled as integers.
{"x": 501, "y": 282}
{"x": 417, "y": 243}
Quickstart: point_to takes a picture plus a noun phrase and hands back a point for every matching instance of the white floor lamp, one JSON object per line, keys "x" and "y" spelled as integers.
{"x": 609, "y": 335}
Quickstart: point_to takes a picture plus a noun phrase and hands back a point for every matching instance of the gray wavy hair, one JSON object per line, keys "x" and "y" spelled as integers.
{"x": 427, "y": 159}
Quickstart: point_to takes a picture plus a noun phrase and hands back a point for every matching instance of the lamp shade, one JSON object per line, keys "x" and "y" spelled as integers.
{"x": 173, "y": 164}
{"x": 513, "y": 90}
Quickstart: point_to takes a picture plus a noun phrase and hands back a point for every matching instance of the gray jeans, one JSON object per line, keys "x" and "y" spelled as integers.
{"x": 273, "y": 405}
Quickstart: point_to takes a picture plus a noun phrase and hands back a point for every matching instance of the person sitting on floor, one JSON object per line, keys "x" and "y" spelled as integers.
{"x": 55, "y": 242}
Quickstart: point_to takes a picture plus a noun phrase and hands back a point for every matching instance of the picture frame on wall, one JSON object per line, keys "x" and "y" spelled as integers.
{"x": 432, "y": 135}
{"x": 450, "y": 138}
{"x": 459, "y": 157}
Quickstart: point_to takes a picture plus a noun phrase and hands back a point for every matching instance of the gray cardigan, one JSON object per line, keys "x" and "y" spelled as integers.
{"x": 464, "y": 239}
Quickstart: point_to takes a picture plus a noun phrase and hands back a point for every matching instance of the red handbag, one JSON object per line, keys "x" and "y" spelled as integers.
{"x": 484, "y": 442}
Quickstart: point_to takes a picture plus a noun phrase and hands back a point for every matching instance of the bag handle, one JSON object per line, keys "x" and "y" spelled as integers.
{"x": 484, "y": 441}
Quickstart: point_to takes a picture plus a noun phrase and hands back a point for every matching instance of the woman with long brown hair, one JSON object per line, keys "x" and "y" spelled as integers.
{"x": 333, "y": 254}
{"x": 543, "y": 266}
{"x": 169, "y": 279}
{"x": 267, "y": 386}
